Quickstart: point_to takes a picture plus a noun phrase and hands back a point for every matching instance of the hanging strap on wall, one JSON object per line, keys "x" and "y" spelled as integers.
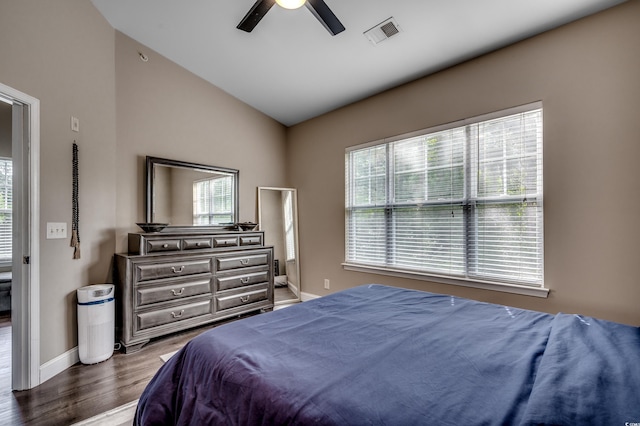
{"x": 75, "y": 233}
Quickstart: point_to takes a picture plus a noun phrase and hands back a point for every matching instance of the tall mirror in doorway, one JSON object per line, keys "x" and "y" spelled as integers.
{"x": 278, "y": 218}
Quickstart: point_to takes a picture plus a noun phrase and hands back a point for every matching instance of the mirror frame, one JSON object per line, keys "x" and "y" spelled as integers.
{"x": 294, "y": 194}
{"x": 151, "y": 162}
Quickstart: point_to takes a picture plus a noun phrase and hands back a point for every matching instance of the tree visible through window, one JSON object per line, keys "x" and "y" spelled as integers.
{"x": 461, "y": 201}
{"x": 6, "y": 232}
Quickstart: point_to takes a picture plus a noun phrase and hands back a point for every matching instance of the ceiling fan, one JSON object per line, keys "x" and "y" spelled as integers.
{"x": 318, "y": 7}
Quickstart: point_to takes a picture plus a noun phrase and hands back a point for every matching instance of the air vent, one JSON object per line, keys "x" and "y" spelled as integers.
{"x": 382, "y": 31}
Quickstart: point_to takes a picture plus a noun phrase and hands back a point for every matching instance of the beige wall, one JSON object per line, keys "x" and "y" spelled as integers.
{"x": 162, "y": 194}
{"x": 587, "y": 76}
{"x": 65, "y": 54}
{"x": 165, "y": 111}
{"x": 62, "y": 53}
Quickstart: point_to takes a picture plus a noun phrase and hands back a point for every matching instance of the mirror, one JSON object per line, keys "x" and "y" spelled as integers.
{"x": 189, "y": 194}
{"x": 278, "y": 218}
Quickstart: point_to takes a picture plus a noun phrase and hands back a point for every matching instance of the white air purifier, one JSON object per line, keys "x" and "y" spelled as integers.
{"x": 96, "y": 323}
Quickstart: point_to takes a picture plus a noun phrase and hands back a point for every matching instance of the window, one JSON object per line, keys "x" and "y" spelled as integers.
{"x": 461, "y": 201}
{"x": 6, "y": 232}
{"x": 213, "y": 201}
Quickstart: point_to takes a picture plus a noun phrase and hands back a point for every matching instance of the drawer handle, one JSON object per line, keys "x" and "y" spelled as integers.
{"x": 198, "y": 244}
{"x": 244, "y": 261}
{"x": 177, "y": 271}
{"x": 245, "y": 280}
{"x": 173, "y": 314}
{"x": 245, "y": 299}
{"x": 165, "y": 245}
{"x": 177, "y": 293}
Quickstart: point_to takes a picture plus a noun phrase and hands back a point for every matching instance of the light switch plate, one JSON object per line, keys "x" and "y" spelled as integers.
{"x": 56, "y": 230}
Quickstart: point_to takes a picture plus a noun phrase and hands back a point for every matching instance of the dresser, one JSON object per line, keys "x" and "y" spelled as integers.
{"x": 171, "y": 281}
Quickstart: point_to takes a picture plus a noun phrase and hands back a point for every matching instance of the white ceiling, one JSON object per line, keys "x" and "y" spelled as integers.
{"x": 292, "y": 69}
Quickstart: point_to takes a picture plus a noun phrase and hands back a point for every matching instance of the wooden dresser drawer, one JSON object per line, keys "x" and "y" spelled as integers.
{"x": 154, "y": 246}
{"x": 242, "y": 261}
{"x": 250, "y": 277}
{"x": 177, "y": 268}
{"x": 251, "y": 240}
{"x": 226, "y": 241}
{"x": 163, "y": 242}
{"x": 201, "y": 276}
{"x": 170, "y": 315}
{"x": 197, "y": 243}
{"x": 175, "y": 290}
{"x": 256, "y": 294}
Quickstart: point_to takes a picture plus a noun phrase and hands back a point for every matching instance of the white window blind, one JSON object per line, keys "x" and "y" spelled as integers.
{"x": 213, "y": 201}
{"x": 463, "y": 201}
{"x": 6, "y": 232}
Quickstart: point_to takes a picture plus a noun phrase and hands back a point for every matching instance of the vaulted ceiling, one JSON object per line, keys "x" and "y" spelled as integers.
{"x": 292, "y": 69}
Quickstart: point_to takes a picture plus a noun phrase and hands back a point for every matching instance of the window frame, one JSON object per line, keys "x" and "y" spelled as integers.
{"x": 212, "y": 213}
{"x": 8, "y": 162}
{"x": 531, "y": 289}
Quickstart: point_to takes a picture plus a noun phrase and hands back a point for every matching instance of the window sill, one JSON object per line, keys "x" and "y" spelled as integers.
{"x": 485, "y": 285}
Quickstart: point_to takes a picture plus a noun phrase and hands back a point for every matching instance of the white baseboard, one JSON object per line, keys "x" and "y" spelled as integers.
{"x": 292, "y": 287}
{"x": 308, "y": 296}
{"x": 59, "y": 364}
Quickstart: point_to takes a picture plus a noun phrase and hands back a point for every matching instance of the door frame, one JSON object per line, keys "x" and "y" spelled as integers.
{"x": 25, "y": 290}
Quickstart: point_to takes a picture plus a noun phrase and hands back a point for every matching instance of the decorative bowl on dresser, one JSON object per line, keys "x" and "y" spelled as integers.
{"x": 173, "y": 280}
{"x": 152, "y": 227}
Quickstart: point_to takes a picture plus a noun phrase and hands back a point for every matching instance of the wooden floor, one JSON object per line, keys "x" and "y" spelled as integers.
{"x": 84, "y": 391}
{"x": 5, "y": 366}
{"x": 283, "y": 294}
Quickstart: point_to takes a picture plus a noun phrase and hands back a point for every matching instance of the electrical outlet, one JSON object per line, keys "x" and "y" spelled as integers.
{"x": 56, "y": 230}
{"x": 326, "y": 284}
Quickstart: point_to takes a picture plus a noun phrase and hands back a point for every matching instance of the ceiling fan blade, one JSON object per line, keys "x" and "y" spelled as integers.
{"x": 255, "y": 14}
{"x": 321, "y": 11}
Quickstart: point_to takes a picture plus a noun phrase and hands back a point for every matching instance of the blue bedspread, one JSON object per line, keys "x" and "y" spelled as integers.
{"x": 388, "y": 356}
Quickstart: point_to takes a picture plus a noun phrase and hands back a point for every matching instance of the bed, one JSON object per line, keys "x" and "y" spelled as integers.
{"x": 378, "y": 355}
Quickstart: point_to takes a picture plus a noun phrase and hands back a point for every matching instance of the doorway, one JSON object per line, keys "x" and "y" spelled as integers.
{"x": 25, "y": 312}
{"x": 6, "y": 236}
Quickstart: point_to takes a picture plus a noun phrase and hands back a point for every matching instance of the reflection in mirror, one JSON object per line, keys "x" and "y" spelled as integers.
{"x": 190, "y": 194}
{"x": 278, "y": 218}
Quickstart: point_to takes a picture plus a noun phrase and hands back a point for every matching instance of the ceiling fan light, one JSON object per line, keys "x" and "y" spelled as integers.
{"x": 290, "y": 4}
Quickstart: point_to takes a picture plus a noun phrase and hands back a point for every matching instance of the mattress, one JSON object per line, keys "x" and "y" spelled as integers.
{"x": 388, "y": 356}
